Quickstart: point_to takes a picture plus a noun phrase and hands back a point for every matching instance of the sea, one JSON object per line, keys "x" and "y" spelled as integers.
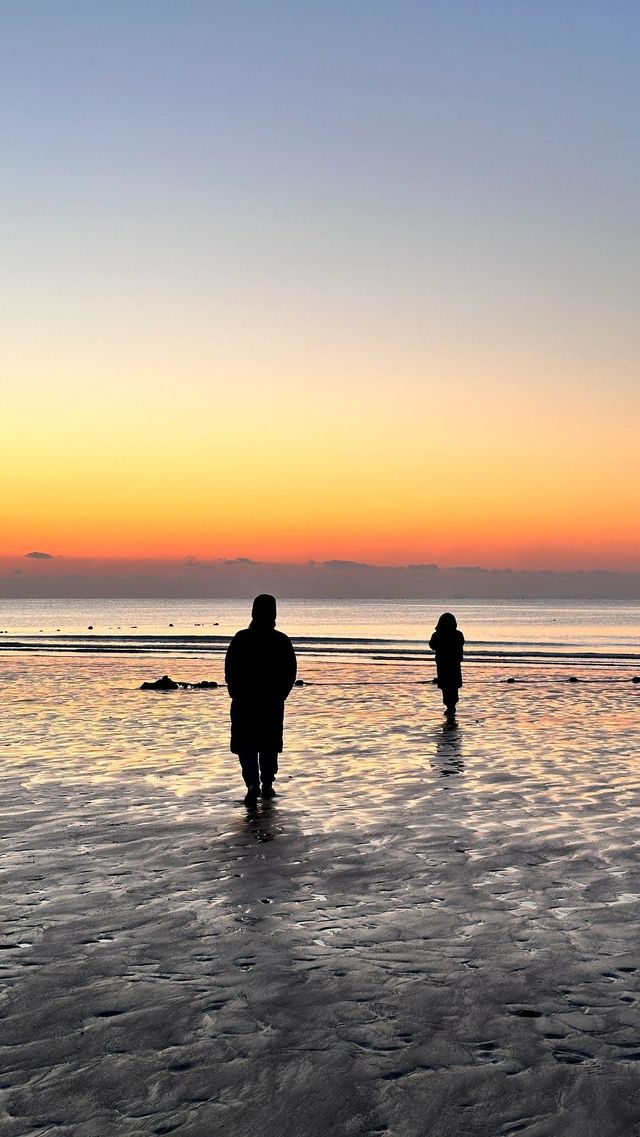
{"x": 532, "y": 632}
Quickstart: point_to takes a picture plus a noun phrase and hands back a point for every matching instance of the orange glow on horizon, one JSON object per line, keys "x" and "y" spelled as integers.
{"x": 468, "y": 468}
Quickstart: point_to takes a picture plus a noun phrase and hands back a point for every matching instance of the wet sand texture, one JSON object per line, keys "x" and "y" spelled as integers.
{"x": 431, "y": 931}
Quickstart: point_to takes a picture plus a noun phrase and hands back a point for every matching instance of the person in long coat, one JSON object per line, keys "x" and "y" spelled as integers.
{"x": 448, "y": 643}
{"x": 260, "y": 670}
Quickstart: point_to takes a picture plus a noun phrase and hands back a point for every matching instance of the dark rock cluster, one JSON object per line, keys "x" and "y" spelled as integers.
{"x": 168, "y": 684}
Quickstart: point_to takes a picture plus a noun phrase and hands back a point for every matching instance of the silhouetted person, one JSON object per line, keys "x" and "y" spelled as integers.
{"x": 448, "y": 643}
{"x": 260, "y": 670}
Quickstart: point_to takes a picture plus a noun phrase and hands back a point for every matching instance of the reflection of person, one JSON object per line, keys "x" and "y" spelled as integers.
{"x": 448, "y": 759}
{"x": 448, "y": 643}
{"x": 260, "y": 670}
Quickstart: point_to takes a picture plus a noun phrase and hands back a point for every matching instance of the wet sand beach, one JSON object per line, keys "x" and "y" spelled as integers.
{"x": 432, "y": 930}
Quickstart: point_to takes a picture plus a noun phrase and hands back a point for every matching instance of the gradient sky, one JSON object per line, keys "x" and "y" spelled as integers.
{"x": 321, "y": 279}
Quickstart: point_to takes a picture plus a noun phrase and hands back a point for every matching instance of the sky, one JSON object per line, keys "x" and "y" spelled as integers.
{"x": 320, "y": 280}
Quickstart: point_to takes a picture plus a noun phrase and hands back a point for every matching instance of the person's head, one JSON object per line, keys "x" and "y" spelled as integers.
{"x": 263, "y": 611}
{"x": 447, "y": 622}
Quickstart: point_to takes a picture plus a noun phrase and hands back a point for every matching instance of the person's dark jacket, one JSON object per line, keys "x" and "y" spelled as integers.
{"x": 448, "y": 646}
{"x": 260, "y": 670}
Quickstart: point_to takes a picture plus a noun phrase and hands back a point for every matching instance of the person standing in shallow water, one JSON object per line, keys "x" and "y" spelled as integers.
{"x": 448, "y": 643}
{"x": 260, "y": 670}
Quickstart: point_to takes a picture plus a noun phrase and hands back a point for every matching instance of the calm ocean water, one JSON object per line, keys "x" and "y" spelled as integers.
{"x": 494, "y": 630}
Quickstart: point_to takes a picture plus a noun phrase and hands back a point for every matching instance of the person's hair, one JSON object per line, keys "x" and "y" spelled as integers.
{"x": 447, "y": 622}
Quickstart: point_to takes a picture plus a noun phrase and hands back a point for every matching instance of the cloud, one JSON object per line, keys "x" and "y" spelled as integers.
{"x": 349, "y": 565}
{"x": 40, "y": 556}
{"x": 337, "y": 578}
{"x": 222, "y": 562}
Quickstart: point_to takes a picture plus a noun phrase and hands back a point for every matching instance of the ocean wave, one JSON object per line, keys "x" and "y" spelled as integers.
{"x": 482, "y": 651}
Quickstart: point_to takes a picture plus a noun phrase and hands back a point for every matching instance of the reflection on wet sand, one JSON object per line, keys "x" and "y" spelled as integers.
{"x": 448, "y": 757}
{"x": 432, "y": 929}
{"x": 261, "y": 820}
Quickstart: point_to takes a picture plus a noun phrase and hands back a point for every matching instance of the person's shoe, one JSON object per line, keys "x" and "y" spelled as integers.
{"x": 251, "y": 796}
{"x": 268, "y": 791}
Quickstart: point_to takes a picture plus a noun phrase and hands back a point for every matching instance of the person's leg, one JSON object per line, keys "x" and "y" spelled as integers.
{"x": 450, "y": 698}
{"x": 268, "y": 771}
{"x": 249, "y": 766}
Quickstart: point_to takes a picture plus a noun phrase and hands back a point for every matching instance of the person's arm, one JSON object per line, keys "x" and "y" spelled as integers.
{"x": 290, "y": 669}
{"x": 433, "y": 642}
{"x": 230, "y": 666}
